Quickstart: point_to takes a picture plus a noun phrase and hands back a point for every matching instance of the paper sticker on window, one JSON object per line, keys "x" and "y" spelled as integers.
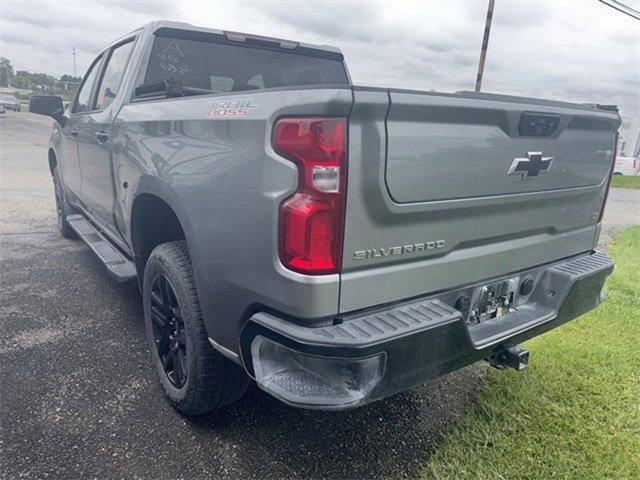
{"x": 171, "y": 60}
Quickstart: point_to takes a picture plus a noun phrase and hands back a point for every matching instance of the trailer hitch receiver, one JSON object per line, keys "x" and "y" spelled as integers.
{"x": 512, "y": 357}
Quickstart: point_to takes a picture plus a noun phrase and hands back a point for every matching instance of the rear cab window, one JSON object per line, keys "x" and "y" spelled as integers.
{"x": 210, "y": 63}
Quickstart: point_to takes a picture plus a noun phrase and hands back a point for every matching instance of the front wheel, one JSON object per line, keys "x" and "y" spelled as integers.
{"x": 62, "y": 209}
{"x": 195, "y": 377}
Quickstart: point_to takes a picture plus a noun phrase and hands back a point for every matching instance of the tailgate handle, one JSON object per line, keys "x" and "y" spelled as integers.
{"x": 534, "y": 124}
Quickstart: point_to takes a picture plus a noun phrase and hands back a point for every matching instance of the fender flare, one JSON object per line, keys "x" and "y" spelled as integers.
{"x": 54, "y": 142}
{"x": 152, "y": 185}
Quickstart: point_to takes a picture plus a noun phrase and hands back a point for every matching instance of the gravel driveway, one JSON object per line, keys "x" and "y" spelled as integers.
{"x": 622, "y": 211}
{"x": 78, "y": 396}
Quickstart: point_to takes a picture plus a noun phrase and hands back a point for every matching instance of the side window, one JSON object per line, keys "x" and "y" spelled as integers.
{"x": 83, "y": 100}
{"x": 113, "y": 74}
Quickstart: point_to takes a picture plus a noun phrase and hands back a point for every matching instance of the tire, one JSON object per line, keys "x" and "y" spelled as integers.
{"x": 62, "y": 209}
{"x": 194, "y": 376}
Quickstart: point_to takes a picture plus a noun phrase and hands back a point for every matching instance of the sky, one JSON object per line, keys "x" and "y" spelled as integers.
{"x": 574, "y": 50}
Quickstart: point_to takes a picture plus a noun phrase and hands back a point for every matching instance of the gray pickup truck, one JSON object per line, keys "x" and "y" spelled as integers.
{"x": 335, "y": 243}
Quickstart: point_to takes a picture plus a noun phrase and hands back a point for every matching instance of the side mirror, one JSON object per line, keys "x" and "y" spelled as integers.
{"x": 47, "y": 105}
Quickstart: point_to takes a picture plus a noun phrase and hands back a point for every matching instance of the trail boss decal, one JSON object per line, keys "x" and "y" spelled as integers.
{"x": 230, "y": 108}
{"x": 397, "y": 250}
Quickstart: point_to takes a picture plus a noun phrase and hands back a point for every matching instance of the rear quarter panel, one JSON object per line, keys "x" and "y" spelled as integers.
{"x": 225, "y": 183}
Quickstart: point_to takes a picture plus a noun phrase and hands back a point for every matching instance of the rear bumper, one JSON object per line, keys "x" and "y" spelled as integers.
{"x": 423, "y": 338}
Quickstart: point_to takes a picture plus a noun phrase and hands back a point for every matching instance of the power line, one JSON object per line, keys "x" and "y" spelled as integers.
{"x": 621, "y": 7}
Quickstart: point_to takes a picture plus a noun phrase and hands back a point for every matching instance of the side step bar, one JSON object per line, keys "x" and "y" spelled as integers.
{"x": 119, "y": 266}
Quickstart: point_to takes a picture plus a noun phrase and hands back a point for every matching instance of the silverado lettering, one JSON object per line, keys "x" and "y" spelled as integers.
{"x": 397, "y": 250}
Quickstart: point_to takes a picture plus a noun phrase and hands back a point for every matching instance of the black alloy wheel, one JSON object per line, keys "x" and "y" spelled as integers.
{"x": 62, "y": 209}
{"x": 169, "y": 331}
{"x": 194, "y": 376}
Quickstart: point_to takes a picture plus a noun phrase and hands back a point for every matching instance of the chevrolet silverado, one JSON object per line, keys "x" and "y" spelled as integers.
{"x": 335, "y": 243}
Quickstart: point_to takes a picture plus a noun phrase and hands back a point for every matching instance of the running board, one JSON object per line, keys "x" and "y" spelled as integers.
{"x": 119, "y": 266}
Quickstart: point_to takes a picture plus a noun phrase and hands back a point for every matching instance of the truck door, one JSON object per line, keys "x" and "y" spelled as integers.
{"x": 94, "y": 146}
{"x": 68, "y": 150}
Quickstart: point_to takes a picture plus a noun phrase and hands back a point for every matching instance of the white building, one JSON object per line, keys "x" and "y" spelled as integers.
{"x": 629, "y": 137}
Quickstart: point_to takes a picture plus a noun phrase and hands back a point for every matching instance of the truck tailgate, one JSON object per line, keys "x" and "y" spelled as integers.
{"x": 448, "y": 189}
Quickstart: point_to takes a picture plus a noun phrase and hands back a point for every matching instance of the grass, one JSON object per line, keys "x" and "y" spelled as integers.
{"x": 575, "y": 412}
{"x": 624, "y": 181}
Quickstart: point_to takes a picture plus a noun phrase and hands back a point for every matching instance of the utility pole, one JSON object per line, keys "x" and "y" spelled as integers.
{"x": 485, "y": 44}
{"x": 74, "y": 60}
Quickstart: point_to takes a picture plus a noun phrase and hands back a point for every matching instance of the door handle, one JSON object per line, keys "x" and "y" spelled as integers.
{"x": 73, "y": 132}
{"x": 102, "y": 137}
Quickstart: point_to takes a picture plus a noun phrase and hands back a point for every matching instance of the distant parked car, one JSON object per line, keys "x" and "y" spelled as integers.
{"x": 10, "y": 102}
{"x": 2, "y": 109}
{"x": 626, "y": 166}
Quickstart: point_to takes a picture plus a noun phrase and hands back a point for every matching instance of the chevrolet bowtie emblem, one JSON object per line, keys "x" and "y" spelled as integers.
{"x": 531, "y": 165}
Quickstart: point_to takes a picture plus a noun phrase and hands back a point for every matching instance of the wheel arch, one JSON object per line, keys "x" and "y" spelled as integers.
{"x": 154, "y": 220}
{"x": 53, "y": 160}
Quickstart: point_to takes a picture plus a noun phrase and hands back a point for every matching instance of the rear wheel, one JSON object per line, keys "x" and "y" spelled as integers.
{"x": 195, "y": 377}
{"x": 62, "y": 209}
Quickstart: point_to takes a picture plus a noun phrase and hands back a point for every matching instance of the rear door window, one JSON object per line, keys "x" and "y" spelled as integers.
{"x": 218, "y": 66}
{"x": 113, "y": 74}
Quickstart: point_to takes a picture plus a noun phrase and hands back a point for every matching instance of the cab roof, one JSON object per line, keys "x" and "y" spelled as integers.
{"x": 152, "y": 27}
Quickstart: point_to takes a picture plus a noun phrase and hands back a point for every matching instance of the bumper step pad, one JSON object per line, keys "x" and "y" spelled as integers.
{"x": 118, "y": 265}
{"x": 587, "y": 265}
{"x": 374, "y": 327}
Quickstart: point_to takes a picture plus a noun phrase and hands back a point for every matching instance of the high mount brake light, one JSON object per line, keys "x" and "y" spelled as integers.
{"x": 312, "y": 220}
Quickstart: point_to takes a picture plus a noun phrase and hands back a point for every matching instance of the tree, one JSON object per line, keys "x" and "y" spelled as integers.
{"x": 37, "y": 82}
{"x": 22, "y": 79}
{"x": 34, "y": 81}
{"x": 6, "y": 72}
{"x": 44, "y": 79}
{"x": 70, "y": 79}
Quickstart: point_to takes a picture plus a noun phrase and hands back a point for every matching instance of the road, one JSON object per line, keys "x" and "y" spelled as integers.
{"x": 78, "y": 396}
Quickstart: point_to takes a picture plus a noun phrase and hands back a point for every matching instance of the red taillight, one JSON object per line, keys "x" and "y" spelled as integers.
{"x": 613, "y": 164}
{"x": 311, "y": 220}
